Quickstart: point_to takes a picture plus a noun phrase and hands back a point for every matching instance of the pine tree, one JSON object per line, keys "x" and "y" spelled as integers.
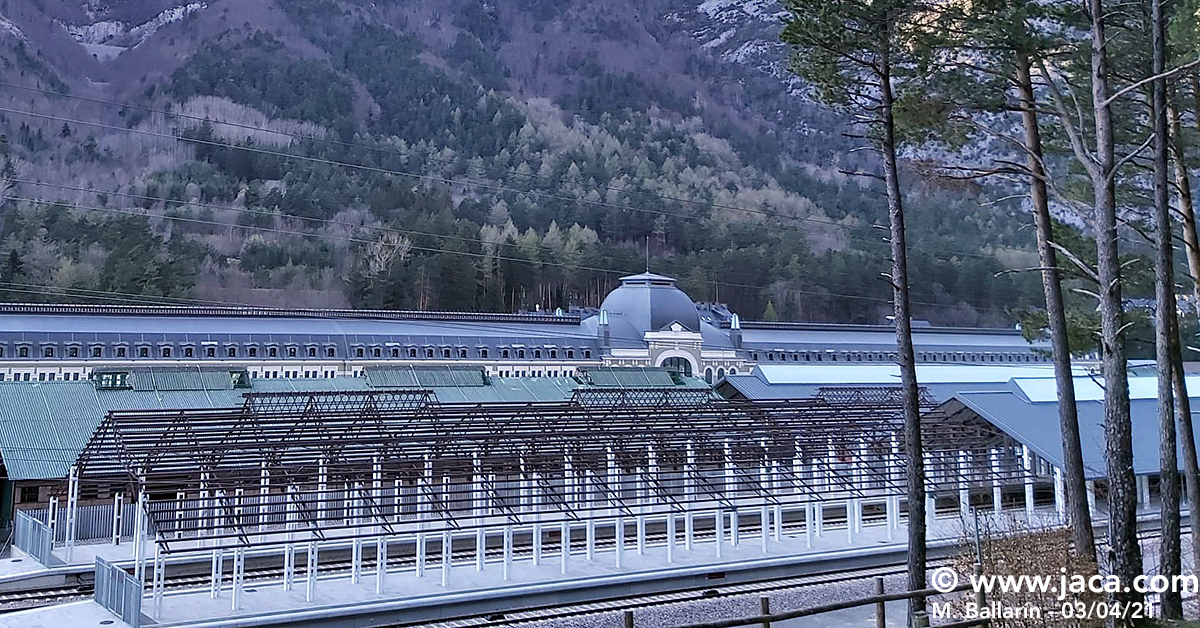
{"x": 857, "y": 55}
{"x": 1001, "y": 40}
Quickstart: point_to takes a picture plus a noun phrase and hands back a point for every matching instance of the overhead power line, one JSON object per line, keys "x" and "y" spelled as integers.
{"x": 464, "y": 253}
{"x": 467, "y": 182}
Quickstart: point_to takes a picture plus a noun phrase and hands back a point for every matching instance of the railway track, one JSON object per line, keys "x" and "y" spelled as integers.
{"x": 517, "y": 618}
{"x": 44, "y": 597}
{"x": 22, "y": 600}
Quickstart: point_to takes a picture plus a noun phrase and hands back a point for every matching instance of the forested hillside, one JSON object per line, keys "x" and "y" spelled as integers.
{"x": 457, "y": 155}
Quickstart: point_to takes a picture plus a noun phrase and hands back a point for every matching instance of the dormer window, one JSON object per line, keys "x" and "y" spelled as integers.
{"x": 553, "y": 354}
{"x": 120, "y": 352}
{"x": 462, "y": 353}
{"x": 483, "y": 353}
{"x": 210, "y": 352}
{"x": 23, "y": 352}
{"x": 412, "y": 353}
{"x": 375, "y": 352}
{"x": 445, "y": 353}
{"x": 166, "y": 352}
{"x": 97, "y": 352}
{"x": 272, "y": 352}
{"x": 73, "y": 352}
{"x": 587, "y": 353}
{"x": 504, "y": 354}
{"x": 570, "y": 354}
{"x": 395, "y": 352}
{"x": 329, "y": 352}
{"x": 111, "y": 381}
{"x": 143, "y": 352}
{"x": 48, "y": 352}
{"x": 520, "y": 353}
{"x": 291, "y": 352}
{"x": 429, "y": 353}
{"x": 312, "y": 352}
{"x": 537, "y": 353}
{"x": 358, "y": 352}
{"x": 232, "y": 352}
{"x": 253, "y": 352}
{"x": 188, "y": 352}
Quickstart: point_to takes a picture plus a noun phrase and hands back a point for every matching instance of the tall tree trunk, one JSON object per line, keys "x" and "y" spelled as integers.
{"x": 1187, "y": 214}
{"x": 1125, "y": 556}
{"x": 1073, "y": 471}
{"x": 1191, "y": 464}
{"x": 913, "y": 449}
{"x": 1164, "y": 291}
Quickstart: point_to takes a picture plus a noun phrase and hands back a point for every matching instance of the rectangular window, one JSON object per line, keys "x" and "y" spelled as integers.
{"x": 29, "y": 494}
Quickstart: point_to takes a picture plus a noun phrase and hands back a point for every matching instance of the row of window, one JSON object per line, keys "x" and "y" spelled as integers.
{"x": 42, "y": 376}
{"x": 845, "y": 356}
{"x": 229, "y": 351}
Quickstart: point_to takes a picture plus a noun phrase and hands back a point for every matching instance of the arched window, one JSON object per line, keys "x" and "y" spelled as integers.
{"x": 445, "y": 353}
{"x": 292, "y": 352}
{"x": 483, "y": 353}
{"x": 312, "y": 352}
{"x": 679, "y": 365}
{"x": 462, "y": 353}
{"x": 412, "y": 353}
{"x": 720, "y": 373}
{"x": 358, "y": 352}
{"x": 329, "y": 352}
{"x": 232, "y": 352}
{"x": 733, "y": 371}
{"x": 708, "y": 373}
{"x": 429, "y": 353}
{"x": 395, "y": 352}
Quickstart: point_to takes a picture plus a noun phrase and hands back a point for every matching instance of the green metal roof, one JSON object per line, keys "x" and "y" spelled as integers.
{"x": 44, "y": 425}
{"x": 423, "y": 376}
{"x": 629, "y": 377}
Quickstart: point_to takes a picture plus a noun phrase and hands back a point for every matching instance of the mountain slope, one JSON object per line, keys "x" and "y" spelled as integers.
{"x": 459, "y": 154}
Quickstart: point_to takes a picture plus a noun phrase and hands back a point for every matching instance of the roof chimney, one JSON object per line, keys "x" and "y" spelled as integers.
{"x": 735, "y": 331}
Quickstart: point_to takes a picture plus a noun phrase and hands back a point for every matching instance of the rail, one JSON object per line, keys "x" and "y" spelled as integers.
{"x": 766, "y": 618}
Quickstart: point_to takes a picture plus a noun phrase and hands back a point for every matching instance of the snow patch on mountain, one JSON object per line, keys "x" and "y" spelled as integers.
{"x": 10, "y": 28}
{"x": 720, "y": 40}
{"x": 105, "y": 31}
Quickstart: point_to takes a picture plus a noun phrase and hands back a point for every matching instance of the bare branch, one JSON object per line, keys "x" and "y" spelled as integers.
{"x": 1081, "y": 152}
{"x": 1150, "y": 79}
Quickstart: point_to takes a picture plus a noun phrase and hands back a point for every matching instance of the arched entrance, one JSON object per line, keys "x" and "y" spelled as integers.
{"x": 678, "y": 364}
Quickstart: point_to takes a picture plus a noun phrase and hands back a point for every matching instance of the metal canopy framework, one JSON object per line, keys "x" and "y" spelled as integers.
{"x": 331, "y": 466}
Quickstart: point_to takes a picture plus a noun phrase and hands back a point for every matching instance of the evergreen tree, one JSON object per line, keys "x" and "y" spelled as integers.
{"x": 858, "y": 53}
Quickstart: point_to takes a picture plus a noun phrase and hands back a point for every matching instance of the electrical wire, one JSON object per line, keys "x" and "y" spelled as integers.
{"x": 428, "y": 249}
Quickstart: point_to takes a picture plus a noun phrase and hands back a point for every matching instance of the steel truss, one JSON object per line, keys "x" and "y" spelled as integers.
{"x": 348, "y": 466}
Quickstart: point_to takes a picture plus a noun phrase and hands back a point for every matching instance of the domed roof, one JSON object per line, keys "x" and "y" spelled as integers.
{"x": 650, "y": 302}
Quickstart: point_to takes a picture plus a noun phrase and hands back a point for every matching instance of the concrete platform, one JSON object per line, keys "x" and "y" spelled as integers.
{"x": 338, "y": 601}
{"x": 74, "y": 615}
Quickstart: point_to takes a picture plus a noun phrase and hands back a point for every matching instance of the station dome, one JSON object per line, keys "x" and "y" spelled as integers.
{"x": 650, "y": 302}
